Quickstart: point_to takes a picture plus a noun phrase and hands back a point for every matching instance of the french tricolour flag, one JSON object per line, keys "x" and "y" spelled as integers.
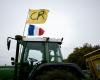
{"x": 35, "y": 31}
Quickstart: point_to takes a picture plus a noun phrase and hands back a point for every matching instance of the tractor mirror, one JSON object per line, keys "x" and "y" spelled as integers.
{"x": 8, "y": 43}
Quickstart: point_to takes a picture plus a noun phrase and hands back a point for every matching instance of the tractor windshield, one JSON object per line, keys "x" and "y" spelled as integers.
{"x": 33, "y": 51}
{"x": 42, "y": 51}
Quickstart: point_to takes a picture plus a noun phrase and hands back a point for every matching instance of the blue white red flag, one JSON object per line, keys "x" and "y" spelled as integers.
{"x": 35, "y": 31}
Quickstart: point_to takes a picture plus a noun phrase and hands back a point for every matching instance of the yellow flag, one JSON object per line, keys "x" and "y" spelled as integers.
{"x": 38, "y": 16}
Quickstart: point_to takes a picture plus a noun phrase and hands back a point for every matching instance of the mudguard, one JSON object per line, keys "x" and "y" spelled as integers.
{"x": 47, "y": 66}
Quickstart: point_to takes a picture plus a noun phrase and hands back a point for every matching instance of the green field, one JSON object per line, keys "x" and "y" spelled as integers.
{"x": 6, "y": 72}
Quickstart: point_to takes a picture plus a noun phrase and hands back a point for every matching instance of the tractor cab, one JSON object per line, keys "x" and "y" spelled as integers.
{"x": 31, "y": 52}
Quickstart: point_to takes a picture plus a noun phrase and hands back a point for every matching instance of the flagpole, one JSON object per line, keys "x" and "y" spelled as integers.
{"x": 25, "y": 23}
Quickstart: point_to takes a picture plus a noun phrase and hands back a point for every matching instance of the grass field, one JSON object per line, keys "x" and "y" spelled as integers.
{"x": 6, "y": 72}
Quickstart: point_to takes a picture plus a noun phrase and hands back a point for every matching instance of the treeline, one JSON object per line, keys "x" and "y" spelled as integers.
{"x": 77, "y": 56}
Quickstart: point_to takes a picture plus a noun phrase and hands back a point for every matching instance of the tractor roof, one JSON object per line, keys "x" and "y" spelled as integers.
{"x": 42, "y": 39}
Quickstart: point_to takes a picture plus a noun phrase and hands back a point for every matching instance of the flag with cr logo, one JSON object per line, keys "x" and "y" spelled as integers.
{"x": 38, "y": 16}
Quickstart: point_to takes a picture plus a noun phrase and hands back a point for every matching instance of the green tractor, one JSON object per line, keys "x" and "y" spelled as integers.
{"x": 41, "y": 59}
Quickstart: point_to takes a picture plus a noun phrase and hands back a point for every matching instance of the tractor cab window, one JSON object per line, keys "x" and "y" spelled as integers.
{"x": 54, "y": 52}
{"x": 51, "y": 53}
{"x": 36, "y": 54}
{"x": 20, "y": 51}
{"x": 33, "y": 51}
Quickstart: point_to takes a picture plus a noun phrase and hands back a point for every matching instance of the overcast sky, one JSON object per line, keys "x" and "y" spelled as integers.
{"x": 77, "y": 21}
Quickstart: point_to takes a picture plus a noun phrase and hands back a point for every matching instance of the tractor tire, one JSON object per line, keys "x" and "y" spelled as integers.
{"x": 57, "y": 75}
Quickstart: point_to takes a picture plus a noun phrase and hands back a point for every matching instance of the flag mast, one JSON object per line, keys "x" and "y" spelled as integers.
{"x": 25, "y": 23}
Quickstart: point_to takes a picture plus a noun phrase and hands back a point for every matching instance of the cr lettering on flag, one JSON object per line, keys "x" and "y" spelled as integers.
{"x": 38, "y": 16}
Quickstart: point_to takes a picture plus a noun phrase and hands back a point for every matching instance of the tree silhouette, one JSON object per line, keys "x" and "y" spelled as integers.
{"x": 77, "y": 56}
